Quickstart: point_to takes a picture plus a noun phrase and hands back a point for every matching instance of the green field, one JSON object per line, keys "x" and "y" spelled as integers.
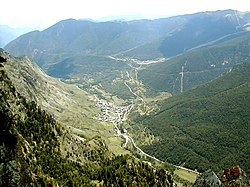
{"x": 186, "y": 175}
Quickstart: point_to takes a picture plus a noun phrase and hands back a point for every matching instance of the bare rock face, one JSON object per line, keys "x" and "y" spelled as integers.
{"x": 208, "y": 179}
{"x": 234, "y": 177}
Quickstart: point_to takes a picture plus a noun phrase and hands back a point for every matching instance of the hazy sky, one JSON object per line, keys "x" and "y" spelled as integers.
{"x": 44, "y": 13}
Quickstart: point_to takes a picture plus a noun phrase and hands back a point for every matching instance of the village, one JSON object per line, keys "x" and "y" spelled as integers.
{"x": 114, "y": 114}
{"x": 111, "y": 112}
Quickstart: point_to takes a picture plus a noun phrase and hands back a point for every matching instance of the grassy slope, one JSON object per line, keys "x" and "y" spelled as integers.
{"x": 66, "y": 102}
{"x": 208, "y": 126}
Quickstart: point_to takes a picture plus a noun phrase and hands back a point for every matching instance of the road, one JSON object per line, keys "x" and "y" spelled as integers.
{"x": 139, "y": 149}
{"x": 122, "y": 117}
{"x": 131, "y": 91}
{"x": 142, "y": 152}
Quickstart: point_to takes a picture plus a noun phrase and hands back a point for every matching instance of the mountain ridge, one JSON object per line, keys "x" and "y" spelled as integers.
{"x": 150, "y": 30}
{"x": 76, "y": 49}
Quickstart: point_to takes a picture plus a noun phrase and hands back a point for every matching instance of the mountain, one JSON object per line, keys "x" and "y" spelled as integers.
{"x": 206, "y": 127}
{"x": 112, "y": 37}
{"x": 200, "y": 29}
{"x": 37, "y": 150}
{"x": 5, "y": 35}
{"x": 199, "y": 65}
{"x": 8, "y": 34}
{"x": 84, "y": 51}
{"x": 84, "y": 37}
{"x": 137, "y": 64}
{"x": 193, "y": 31}
{"x": 129, "y": 17}
{"x": 66, "y": 102}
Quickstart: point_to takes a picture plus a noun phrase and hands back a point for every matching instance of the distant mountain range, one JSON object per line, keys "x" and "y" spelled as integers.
{"x": 172, "y": 36}
{"x": 8, "y": 34}
{"x": 73, "y": 48}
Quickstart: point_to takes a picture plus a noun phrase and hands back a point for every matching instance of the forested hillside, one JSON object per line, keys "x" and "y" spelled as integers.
{"x": 207, "y": 127}
{"x": 199, "y": 65}
{"x": 66, "y": 102}
{"x": 173, "y": 91}
{"x": 33, "y": 150}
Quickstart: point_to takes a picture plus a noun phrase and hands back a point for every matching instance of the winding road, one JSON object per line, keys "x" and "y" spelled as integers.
{"x": 122, "y": 117}
{"x": 131, "y": 91}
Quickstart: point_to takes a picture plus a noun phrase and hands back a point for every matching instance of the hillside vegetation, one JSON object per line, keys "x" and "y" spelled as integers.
{"x": 66, "y": 102}
{"x": 173, "y": 89}
{"x": 199, "y": 65}
{"x": 80, "y": 50}
{"x": 33, "y": 146}
{"x": 119, "y": 37}
{"x": 207, "y": 126}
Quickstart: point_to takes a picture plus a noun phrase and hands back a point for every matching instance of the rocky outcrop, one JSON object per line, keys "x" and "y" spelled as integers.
{"x": 234, "y": 177}
{"x": 208, "y": 179}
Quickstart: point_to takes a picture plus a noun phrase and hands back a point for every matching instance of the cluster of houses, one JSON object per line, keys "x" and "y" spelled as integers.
{"x": 110, "y": 111}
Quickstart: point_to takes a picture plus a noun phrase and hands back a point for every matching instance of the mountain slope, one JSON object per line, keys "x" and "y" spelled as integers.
{"x": 33, "y": 146}
{"x": 121, "y": 38}
{"x": 207, "y": 126}
{"x": 199, "y": 65}
{"x": 97, "y": 54}
{"x": 66, "y": 102}
{"x": 201, "y": 28}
